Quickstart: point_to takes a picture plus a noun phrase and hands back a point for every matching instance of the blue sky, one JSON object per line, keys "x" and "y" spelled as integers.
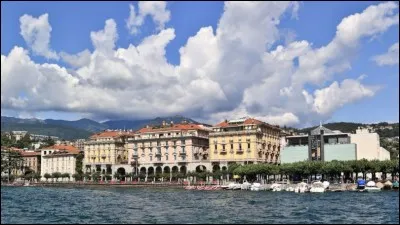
{"x": 316, "y": 23}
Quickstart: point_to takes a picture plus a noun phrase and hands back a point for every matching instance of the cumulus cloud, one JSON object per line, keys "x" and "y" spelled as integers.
{"x": 157, "y": 10}
{"x": 229, "y": 72}
{"x": 80, "y": 59}
{"x": 36, "y": 33}
{"x": 335, "y": 96}
{"x": 389, "y": 58}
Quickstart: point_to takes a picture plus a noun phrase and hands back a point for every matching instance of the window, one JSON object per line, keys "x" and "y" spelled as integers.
{"x": 231, "y": 146}
{"x": 183, "y": 149}
{"x": 45, "y": 152}
{"x": 175, "y": 157}
{"x": 215, "y": 146}
{"x": 240, "y": 146}
{"x": 166, "y": 157}
{"x": 151, "y": 158}
{"x": 248, "y": 145}
{"x": 223, "y": 147}
{"x": 183, "y": 142}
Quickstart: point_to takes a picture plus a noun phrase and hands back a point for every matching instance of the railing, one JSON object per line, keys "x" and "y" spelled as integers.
{"x": 239, "y": 151}
{"x": 224, "y": 133}
{"x": 182, "y": 153}
{"x": 158, "y": 153}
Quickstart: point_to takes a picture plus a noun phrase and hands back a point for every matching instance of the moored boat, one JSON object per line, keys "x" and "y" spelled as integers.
{"x": 371, "y": 187}
{"x": 317, "y": 187}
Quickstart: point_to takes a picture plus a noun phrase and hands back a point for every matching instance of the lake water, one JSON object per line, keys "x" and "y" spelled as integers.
{"x": 140, "y": 205}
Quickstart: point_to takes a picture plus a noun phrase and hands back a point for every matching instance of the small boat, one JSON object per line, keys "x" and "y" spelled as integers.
{"x": 317, "y": 187}
{"x": 371, "y": 187}
{"x": 234, "y": 186}
{"x": 301, "y": 188}
{"x": 245, "y": 186}
{"x": 396, "y": 185}
{"x": 276, "y": 187}
{"x": 255, "y": 187}
{"x": 326, "y": 184}
{"x": 291, "y": 189}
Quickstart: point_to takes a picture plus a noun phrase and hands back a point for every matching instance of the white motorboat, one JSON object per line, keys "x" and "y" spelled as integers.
{"x": 289, "y": 189}
{"x": 234, "y": 186}
{"x": 371, "y": 187}
{"x": 276, "y": 187}
{"x": 317, "y": 187}
{"x": 245, "y": 186}
{"x": 301, "y": 188}
{"x": 255, "y": 187}
{"x": 326, "y": 184}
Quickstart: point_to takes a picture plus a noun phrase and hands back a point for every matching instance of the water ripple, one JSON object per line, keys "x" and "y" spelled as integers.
{"x": 107, "y": 205}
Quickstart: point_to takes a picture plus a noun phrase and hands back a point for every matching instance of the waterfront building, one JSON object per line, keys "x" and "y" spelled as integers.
{"x": 244, "y": 141}
{"x": 58, "y": 158}
{"x": 169, "y": 148}
{"x": 325, "y": 145}
{"x": 30, "y": 161}
{"x": 106, "y": 152}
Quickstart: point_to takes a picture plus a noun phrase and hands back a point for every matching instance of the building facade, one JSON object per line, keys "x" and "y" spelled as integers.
{"x": 106, "y": 152}
{"x": 32, "y": 161}
{"x": 169, "y": 148}
{"x": 58, "y": 158}
{"x": 244, "y": 141}
{"x": 327, "y": 145}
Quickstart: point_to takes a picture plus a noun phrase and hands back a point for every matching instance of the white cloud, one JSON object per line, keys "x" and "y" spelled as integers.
{"x": 389, "y": 58}
{"x": 224, "y": 73}
{"x": 335, "y": 96}
{"x": 157, "y": 10}
{"x": 104, "y": 40}
{"x": 78, "y": 60}
{"x": 36, "y": 33}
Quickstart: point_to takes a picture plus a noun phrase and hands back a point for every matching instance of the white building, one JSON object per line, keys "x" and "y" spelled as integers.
{"x": 368, "y": 145}
{"x": 18, "y": 135}
{"x": 58, "y": 158}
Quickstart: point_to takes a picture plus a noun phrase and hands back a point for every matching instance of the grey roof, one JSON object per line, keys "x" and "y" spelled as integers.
{"x": 316, "y": 131}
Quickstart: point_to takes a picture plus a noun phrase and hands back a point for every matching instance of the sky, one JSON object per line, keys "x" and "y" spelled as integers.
{"x": 286, "y": 63}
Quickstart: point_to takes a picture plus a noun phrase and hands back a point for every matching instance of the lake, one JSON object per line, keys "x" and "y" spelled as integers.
{"x": 153, "y": 205}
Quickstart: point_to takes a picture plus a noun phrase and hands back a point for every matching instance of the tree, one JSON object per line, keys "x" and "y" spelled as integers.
{"x": 47, "y": 176}
{"x": 66, "y": 175}
{"x": 37, "y": 176}
{"x": 96, "y": 176}
{"x": 87, "y": 176}
{"x": 77, "y": 176}
{"x": 56, "y": 175}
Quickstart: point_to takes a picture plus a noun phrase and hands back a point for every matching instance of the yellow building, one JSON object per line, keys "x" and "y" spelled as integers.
{"x": 244, "y": 141}
{"x": 106, "y": 152}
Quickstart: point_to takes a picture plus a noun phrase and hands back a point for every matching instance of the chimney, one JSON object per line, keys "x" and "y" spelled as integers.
{"x": 226, "y": 121}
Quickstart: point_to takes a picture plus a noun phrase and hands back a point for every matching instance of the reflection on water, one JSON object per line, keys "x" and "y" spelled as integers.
{"x": 141, "y": 205}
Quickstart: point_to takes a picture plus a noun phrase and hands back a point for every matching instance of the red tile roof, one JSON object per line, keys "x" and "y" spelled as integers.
{"x": 27, "y": 154}
{"x": 68, "y": 148}
{"x": 175, "y": 127}
{"x": 107, "y": 134}
{"x": 248, "y": 121}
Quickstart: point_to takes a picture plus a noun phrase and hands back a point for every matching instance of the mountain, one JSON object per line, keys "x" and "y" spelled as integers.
{"x": 84, "y": 124}
{"x": 82, "y": 128}
{"x": 63, "y": 132}
{"x": 137, "y": 124}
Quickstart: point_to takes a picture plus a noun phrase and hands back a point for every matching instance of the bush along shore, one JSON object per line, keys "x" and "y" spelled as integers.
{"x": 333, "y": 171}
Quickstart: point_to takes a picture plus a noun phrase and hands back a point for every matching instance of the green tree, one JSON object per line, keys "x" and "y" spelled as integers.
{"x": 56, "y": 175}
{"x": 47, "y": 176}
{"x": 66, "y": 175}
{"x": 96, "y": 176}
{"x": 37, "y": 176}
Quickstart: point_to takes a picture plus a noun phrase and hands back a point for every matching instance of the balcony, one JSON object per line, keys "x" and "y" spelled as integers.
{"x": 239, "y": 151}
{"x": 182, "y": 160}
{"x": 223, "y": 151}
{"x": 103, "y": 155}
{"x": 158, "y": 153}
{"x": 182, "y": 153}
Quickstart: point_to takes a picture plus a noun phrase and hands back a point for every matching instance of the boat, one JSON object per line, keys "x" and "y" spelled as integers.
{"x": 234, "y": 186}
{"x": 291, "y": 189}
{"x": 276, "y": 187}
{"x": 317, "y": 187}
{"x": 245, "y": 186}
{"x": 360, "y": 184}
{"x": 371, "y": 187}
{"x": 326, "y": 184}
{"x": 396, "y": 185}
{"x": 255, "y": 187}
{"x": 301, "y": 188}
